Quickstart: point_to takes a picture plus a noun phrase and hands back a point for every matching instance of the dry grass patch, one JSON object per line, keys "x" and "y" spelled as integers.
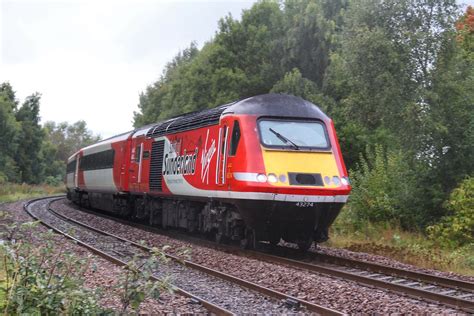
{"x": 409, "y": 247}
{"x": 11, "y": 192}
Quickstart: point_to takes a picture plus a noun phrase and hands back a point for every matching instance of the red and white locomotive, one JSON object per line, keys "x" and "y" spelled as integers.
{"x": 263, "y": 168}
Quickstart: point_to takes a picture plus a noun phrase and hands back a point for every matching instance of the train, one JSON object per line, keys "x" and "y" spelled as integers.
{"x": 261, "y": 169}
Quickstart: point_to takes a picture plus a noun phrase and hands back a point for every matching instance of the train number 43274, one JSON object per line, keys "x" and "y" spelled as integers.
{"x": 305, "y": 204}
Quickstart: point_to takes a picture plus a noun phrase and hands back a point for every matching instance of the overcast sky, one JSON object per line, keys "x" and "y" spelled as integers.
{"x": 90, "y": 59}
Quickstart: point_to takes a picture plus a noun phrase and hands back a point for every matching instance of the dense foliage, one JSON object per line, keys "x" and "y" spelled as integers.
{"x": 457, "y": 227}
{"x": 49, "y": 280}
{"x": 42, "y": 280}
{"x": 32, "y": 153}
{"x": 396, "y": 77}
{"x": 384, "y": 189}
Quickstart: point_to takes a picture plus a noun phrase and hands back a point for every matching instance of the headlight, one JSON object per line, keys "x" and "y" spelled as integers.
{"x": 261, "y": 177}
{"x": 336, "y": 180}
{"x": 272, "y": 178}
{"x": 327, "y": 180}
{"x": 282, "y": 178}
{"x": 345, "y": 180}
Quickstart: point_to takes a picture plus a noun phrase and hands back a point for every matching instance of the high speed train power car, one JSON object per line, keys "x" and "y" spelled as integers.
{"x": 260, "y": 169}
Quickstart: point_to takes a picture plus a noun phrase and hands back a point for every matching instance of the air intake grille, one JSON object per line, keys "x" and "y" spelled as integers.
{"x": 156, "y": 165}
{"x": 313, "y": 179}
{"x": 187, "y": 122}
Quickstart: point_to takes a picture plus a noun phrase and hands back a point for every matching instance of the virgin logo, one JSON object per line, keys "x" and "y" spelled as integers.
{"x": 206, "y": 158}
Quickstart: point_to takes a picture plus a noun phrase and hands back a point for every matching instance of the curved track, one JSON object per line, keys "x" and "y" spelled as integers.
{"x": 118, "y": 250}
{"x": 449, "y": 292}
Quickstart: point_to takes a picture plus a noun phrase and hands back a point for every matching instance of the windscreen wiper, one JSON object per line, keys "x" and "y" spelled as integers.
{"x": 284, "y": 139}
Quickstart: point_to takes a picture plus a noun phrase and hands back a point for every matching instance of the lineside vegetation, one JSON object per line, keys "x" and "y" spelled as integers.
{"x": 396, "y": 77}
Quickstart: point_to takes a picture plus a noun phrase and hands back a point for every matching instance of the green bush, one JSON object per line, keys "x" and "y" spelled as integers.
{"x": 457, "y": 228}
{"x": 384, "y": 190}
{"x": 53, "y": 181}
{"x": 3, "y": 178}
{"x": 136, "y": 283}
{"x": 42, "y": 280}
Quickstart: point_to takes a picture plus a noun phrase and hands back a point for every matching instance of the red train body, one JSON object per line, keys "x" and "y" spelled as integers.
{"x": 264, "y": 168}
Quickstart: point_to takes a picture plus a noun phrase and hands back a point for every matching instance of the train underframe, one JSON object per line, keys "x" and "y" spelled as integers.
{"x": 243, "y": 221}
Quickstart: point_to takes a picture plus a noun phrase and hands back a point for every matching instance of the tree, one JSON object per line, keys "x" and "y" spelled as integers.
{"x": 465, "y": 33}
{"x": 7, "y": 91}
{"x": 28, "y": 155}
{"x": 311, "y": 35}
{"x": 60, "y": 142}
{"x": 450, "y": 121}
{"x": 242, "y": 60}
{"x": 385, "y": 78}
{"x": 9, "y": 131}
{"x": 392, "y": 74}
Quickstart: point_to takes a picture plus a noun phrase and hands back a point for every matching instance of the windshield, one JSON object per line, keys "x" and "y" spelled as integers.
{"x": 293, "y": 134}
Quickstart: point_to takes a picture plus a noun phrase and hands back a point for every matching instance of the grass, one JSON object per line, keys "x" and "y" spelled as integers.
{"x": 2, "y": 285}
{"x": 11, "y": 192}
{"x": 408, "y": 247}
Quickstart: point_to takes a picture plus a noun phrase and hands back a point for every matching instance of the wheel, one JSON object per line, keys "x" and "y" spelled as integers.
{"x": 304, "y": 245}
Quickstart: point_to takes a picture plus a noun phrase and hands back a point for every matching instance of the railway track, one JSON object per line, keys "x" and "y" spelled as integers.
{"x": 119, "y": 250}
{"x": 450, "y": 292}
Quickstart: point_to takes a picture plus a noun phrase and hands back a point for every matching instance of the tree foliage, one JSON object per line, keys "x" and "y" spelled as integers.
{"x": 465, "y": 33}
{"x": 28, "y": 155}
{"x": 9, "y": 132}
{"x": 458, "y": 227}
{"x": 34, "y": 153}
{"x": 385, "y": 189}
{"x": 396, "y": 77}
{"x": 61, "y": 141}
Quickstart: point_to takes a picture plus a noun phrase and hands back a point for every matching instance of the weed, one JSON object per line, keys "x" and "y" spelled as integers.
{"x": 136, "y": 283}
{"x": 43, "y": 280}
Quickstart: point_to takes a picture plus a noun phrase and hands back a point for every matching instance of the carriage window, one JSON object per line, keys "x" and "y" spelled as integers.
{"x": 71, "y": 167}
{"x": 138, "y": 153}
{"x": 293, "y": 134}
{"x": 99, "y": 160}
{"x": 234, "y": 141}
{"x": 224, "y": 140}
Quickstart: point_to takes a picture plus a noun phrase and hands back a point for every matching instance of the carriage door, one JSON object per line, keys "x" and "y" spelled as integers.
{"x": 136, "y": 163}
{"x": 222, "y": 156}
{"x": 234, "y": 139}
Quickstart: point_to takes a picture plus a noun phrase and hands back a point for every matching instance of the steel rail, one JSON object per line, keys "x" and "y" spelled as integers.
{"x": 431, "y": 296}
{"x": 224, "y": 276}
{"x": 375, "y": 267}
{"x": 208, "y": 305}
{"x": 448, "y": 300}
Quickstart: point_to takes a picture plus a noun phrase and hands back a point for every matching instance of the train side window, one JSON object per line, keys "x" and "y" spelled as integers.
{"x": 100, "y": 160}
{"x": 71, "y": 167}
{"x": 138, "y": 153}
{"x": 234, "y": 141}
{"x": 224, "y": 140}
